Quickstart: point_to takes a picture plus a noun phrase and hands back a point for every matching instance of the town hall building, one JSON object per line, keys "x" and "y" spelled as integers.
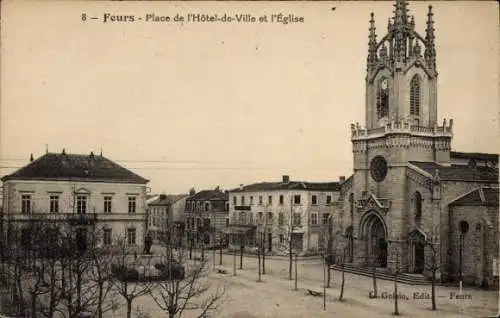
{"x": 410, "y": 194}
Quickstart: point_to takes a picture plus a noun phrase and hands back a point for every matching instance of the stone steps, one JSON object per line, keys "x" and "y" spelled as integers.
{"x": 409, "y": 279}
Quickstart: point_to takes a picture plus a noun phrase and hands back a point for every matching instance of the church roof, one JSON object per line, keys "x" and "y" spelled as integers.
{"x": 62, "y": 166}
{"x": 474, "y": 155}
{"x": 459, "y": 172}
{"x": 292, "y": 185}
{"x": 481, "y": 196}
{"x": 210, "y": 195}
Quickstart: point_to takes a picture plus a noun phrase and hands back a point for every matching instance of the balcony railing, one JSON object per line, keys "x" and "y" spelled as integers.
{"x": 402, "y": 126}
{"x": 81, "y": 219}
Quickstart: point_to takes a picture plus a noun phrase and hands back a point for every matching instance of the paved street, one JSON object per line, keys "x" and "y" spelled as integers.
{"x": 275, "y": 297}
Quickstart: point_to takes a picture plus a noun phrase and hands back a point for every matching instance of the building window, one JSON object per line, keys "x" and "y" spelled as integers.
{"x": 207, "y": 206}
{"x": 260, "y": 199}
{"x": 107, "y": 237}
{"x": 81, "y": 239}
{"x": 314, "y": 199}
{"x": 328, "y": 199}
{"x": 26, "y": 203}
{"x": 296, "y": 199}
{"x": 81, "y": 204}
{"x": 234, "y": 200}
{"x": 227, "y": 222}
{"x": 26, "y": 238}
{"x": 226, "y": 206}
{"x": 243, "y": 218}
{"x": 250, "y": 218}
{"x": 282, "y": 238}
{"x": 297, "y": 219}
{"x": 132, "y": 201}
{"x": 326, "y": 216}
{"x": 251, "y": 200}
{"x": 351, "y": 207}
{"x": 281, "y": 199}
{"x": 54, "y": 204}
{"x": 417, "y": 206}
{"x": 415, "y": 96}
{"x": 242, "y": 200}
{"x": 260, "y": 218}
{"x": 107, "y": 204}
{"x": 281, "y": 218}
{"x": 131, "y": 233}
{"x": 270, "y": 200}
{"x": 314, "y": 219}
{"x": 383, "y": 98}
{"x": 269, "y": 217}
{"x": 206, "y": 223}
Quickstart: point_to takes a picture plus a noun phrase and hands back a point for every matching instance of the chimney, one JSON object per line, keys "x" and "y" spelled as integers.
{"x": 286, "y": 179}
{"x": 92, "y": 154}
{"x": 64, "y": 151}
{"x": 192, "y": 191}
{"x": 217, "y": 188}
{"x": 163, "y": 196}
{"x": 241, "y": 186}
{"x": 341, "y": 179}
{"x": 31, "y": 158}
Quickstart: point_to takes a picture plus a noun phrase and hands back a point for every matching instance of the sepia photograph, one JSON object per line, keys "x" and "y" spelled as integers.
{"x": 234, "y": 159}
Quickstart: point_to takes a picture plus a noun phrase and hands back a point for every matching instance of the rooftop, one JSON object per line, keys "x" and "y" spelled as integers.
{"x": 166, "y": 199}
{"x": 459, "y": 172}
{"x": 286, "y": 184}
{"x": 474, "y": 155}
{"x": 481, "y": 196}
{"x": 210, "y": 195}
{"x": 63, "y": 166}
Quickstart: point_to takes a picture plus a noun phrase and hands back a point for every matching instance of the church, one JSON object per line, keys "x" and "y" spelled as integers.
{"x": 412, "y": 203}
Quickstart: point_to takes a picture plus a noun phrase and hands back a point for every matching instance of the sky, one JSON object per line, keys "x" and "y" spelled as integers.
{"x": 221, "y": 104}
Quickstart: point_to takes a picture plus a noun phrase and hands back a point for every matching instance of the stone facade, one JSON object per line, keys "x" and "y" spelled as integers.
{"x": 400, "y": 204}
{"x": 280, "y": 211}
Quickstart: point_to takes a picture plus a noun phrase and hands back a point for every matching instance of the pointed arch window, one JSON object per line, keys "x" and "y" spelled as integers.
{"x": 383, "y": 98}
{"x": 351, "y": 207}
{"x": 417, "y": 207}
{"x": 415, "y": 96}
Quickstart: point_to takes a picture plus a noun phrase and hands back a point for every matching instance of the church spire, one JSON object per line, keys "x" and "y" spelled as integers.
{"x": 372, "y": 44}
{"x": 400, "y": 13}
{"x": 430, "y": 48}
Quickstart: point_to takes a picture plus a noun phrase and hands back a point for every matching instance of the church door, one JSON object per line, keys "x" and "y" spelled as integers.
{"x": 417, "y": 252}
{"x": 377, "y": 244}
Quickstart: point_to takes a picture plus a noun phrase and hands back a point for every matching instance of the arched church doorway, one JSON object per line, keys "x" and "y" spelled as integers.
{"x": 376, "y": 240}
{"x": 416, "y": 252}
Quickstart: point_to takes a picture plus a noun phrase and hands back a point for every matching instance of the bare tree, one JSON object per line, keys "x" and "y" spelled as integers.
{"x": 286, "y": 229}
{"x": 341, "y": 297}
{"x": 186, "y": 285}
{"x": 125, "y": 268}
{"x": 100, "y": 277}
{"x": 396, "y": 296}
{"x": 434, "y": 268}
{"x": 330, "y": 233}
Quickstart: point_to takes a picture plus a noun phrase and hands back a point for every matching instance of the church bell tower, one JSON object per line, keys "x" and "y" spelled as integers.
{"x": 401, "y": 126}
{"x": 401, "y": 74}
{"x": 401, "y": 122}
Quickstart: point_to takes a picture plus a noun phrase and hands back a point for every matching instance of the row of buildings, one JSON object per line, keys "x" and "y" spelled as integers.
{"x": 409, "y": 202}
{"x": 94, "y": 190}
